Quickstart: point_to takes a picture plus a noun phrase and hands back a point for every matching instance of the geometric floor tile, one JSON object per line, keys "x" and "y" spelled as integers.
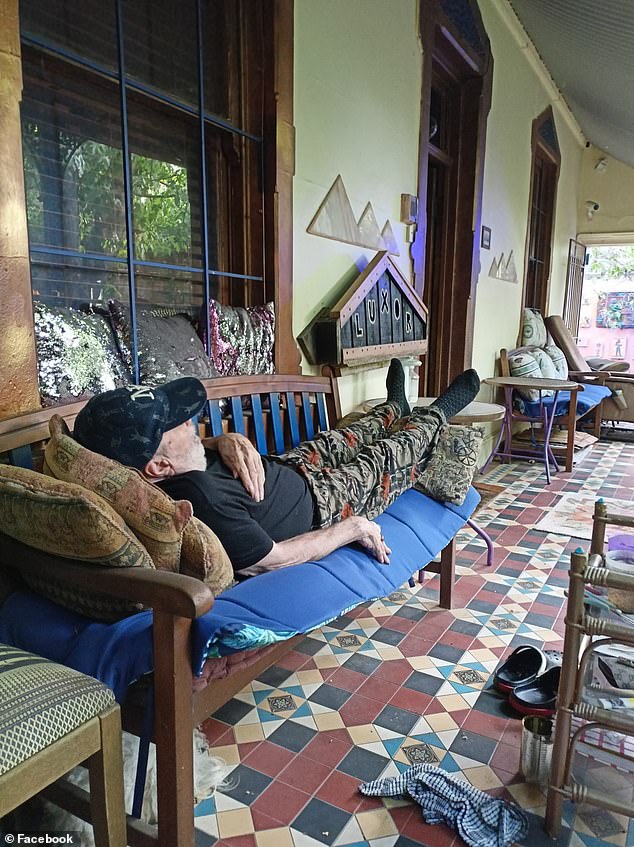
{"x": 400, "y": 682}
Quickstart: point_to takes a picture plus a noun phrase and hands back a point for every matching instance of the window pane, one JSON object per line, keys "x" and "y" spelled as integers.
{"x": 84, "y": 27}
{"x": 234, "y": 203}
{"x": 170, "y": 289}
{"x": 71, "y": 138}
{"x": 233, "y": 62}
{"x": 161, "y": 48}
{"x": 166, "y": 188}
{"x": 70, "y": 281}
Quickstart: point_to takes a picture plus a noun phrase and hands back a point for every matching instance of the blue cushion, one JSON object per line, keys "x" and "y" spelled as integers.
{"x": 587, "y": 399}
{"x": 259, "y": 611}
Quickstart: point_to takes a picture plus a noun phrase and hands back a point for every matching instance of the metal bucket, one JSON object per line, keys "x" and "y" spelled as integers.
{"x": 537, "y": 749}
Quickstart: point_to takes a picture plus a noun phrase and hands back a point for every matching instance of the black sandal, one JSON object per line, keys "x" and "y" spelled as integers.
{"x": 538, "y": 697}
{"x": 524, "y": 665}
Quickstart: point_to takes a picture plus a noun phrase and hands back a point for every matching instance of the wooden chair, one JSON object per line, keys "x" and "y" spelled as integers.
{"x": 52, "y": 720}
{"x": 613, "y": 374}
{"x": 281, "y": 410}
{"x": 567, "y": 420}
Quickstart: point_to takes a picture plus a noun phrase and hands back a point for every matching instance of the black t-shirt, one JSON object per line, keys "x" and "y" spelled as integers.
{"x": 245, "y": 528}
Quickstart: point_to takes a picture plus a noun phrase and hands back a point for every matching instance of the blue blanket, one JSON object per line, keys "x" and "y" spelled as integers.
{"x": 263, "y": 610}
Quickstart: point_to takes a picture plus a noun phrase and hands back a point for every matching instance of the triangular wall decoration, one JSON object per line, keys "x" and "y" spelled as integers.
{"x": 335, "y": 219}
{"x": 504, "y": 269}
{"x": 369, "y": 229}
{"x": 388, "y": 237}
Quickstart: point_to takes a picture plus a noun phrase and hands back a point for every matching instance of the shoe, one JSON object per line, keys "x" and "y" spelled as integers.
{"x": 524, "y": 665}
{"x": 538, "y": 697}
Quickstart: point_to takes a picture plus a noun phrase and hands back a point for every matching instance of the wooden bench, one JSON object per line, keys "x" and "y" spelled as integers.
{"x": 281, "y": 411}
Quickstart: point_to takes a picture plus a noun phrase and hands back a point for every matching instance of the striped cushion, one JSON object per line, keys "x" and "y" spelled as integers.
{"x": 558, "y": 359}
{"x": 41, "y": 703}
{"x": 526, "y": 365}
{"x": 533, "y": 329}
{"x": 546, "y": 364}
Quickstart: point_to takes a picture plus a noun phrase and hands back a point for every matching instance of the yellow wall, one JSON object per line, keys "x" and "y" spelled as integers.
{"x": 518, "y": 98}
{"x": 358, "y": 71}
{"x": 357, "y": 104}
{"x": 613, "y": 189}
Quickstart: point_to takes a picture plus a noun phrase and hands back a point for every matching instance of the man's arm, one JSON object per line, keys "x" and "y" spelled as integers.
{"x": 317, "y": 544}
{"x": 242, "y": 459}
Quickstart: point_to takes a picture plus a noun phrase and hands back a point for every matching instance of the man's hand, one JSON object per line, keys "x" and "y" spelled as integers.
{"x": 244, "y": 462}
{"x": 318, "y": 543}
{"x": 371, "y": 538}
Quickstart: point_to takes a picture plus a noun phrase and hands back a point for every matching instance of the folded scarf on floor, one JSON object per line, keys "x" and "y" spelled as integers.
{"x": 481, "y": 820}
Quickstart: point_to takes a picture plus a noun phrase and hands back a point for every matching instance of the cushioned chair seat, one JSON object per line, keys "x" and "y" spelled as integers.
{"x": 42, "y": 702}
{"x": 587, "y": 399}
{"x": 260, "y": 611}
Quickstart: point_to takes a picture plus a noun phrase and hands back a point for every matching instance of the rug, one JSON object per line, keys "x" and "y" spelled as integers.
{"x": 572, "y": 515}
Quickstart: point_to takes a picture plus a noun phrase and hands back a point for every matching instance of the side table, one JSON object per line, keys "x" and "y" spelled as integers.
{"x": 474, "y": 413}
{"x": 546, "y": 418}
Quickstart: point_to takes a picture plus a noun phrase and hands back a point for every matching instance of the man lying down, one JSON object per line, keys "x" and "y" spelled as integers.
{"x": 272, "y": 512}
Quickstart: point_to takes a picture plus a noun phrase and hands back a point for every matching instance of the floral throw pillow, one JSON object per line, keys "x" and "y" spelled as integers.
{"x": 450, "y": 469}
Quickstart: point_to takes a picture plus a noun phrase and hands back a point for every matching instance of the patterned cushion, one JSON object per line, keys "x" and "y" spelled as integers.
{"x": 41, "y": 703}
{"x": 156, "y": 519}
{"x": 167, "y": 343}
{"x": 449, "y": 472}
{"x": 558, "y": 359}
{"x": 204, "y": 557}
{"x": 546, "y": 364}
{"x": 67, "y": 520}
{"x": 241, "y": 339}
{"x": 526, "y": 365}
{"x": 533, "y": 329}
{"x": 76, "y": 354}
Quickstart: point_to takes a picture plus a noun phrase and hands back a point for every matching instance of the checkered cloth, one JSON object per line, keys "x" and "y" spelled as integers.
{"x": 481, "y": 820}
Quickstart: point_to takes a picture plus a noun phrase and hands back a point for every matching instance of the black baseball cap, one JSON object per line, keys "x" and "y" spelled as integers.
{"x": 127, "y": 424}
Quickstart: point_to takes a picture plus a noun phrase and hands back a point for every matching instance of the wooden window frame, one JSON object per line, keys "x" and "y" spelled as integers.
{"x": 445, "y": 46}
{"x": 277, "y": 157}
{"x": 550, "y": 157}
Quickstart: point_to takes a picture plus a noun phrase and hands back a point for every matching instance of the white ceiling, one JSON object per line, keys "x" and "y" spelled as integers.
{"x": 588, "y": 47}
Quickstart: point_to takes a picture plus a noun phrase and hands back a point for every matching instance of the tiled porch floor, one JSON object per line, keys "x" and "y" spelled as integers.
{"x": 401, "y": 681}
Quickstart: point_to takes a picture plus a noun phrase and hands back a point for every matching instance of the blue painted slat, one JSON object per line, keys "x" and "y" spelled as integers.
{"x": 321, "y": 412}
{"x": 215, "y": 417}
{"x": 258, "y": 424}
{"x": 238, "y": 417}
{"x": 276, "y": 420}
{"x": 293, "y": 423}
{"x": 308, "y": 415}
{"x": 22, "y": 457}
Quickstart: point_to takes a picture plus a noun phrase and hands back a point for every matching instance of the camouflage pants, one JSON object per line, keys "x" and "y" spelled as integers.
{"x": 362, "y": 468}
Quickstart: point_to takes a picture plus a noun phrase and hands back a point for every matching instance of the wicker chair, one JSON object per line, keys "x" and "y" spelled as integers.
{"x": 52, "y": 719}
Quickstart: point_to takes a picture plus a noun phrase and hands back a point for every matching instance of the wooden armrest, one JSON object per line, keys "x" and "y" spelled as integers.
{"x": 173, "y": 593}
{"x": 588, "y": 376}
{"x": 605, "y": 376}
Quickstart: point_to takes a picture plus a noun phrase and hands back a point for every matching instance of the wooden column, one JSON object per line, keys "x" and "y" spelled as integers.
{"x": 18, "y": 370}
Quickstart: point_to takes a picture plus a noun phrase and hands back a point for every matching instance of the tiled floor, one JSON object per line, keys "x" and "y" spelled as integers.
{"x": 399, "y": 682}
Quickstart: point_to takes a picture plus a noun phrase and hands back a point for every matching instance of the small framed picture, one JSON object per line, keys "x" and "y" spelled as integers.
{"x": 485, "y": 238}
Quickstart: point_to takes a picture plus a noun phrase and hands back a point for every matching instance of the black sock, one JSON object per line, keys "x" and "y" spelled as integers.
{"x": 459, "y": 394}
{"x": 395, "y": 384}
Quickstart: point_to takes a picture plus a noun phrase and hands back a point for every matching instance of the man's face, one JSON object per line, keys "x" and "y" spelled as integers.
{"x": 184, "y": 449}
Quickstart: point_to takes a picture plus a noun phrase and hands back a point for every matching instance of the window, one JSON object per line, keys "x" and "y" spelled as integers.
{"x": 544, "y": 176}
{"x": 143, "y": 150}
